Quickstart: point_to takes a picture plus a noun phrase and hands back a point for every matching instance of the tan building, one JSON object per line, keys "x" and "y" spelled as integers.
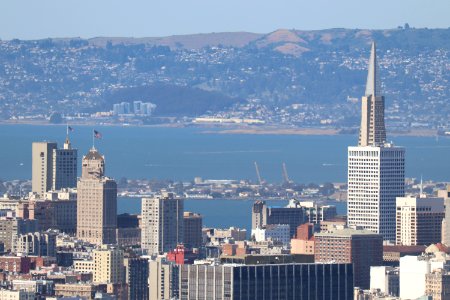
{"x": 304, "y": 240}
{"x": 163, "y": 279}
{"x": 97, "y": 202}
{"x": 419, "y": 220}
{"x": 16, "y": 295}
{"x": 84, "y": 290}
{"x": 11, "y": 228}
{"x": 162, "y": 223}
{"x": 437, "y": 285}
{"x": 446, "y": 222}
{"x": 42, "y": 167}
{"x": 106, "y": 265}
{"x": 192, "y": 229}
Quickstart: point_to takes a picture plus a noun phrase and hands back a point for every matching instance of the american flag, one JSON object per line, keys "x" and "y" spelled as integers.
{"x": 70, "y": 128}
{"x": 97, "y": 134}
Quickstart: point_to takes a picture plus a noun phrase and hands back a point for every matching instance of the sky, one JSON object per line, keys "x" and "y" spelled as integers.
{"x": 33, "y": 19}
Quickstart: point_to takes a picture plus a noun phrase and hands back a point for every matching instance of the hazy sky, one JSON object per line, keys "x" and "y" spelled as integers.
{"x": 29, "y": 19}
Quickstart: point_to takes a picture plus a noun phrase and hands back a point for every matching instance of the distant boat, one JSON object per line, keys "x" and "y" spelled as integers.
{"x": 327, "y": 165}
{"x": 21, "y": 164}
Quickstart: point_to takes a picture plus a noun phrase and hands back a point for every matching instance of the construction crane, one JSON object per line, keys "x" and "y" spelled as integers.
{"x": 285, "y": 174}
{"x": 258, "y": 175}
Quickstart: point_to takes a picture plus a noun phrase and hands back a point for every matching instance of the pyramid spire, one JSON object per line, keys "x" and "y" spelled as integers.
{"x": 373, "y": 85}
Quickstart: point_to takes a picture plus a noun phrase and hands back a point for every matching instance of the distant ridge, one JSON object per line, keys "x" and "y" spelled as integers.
{"x": 189, "y": 41}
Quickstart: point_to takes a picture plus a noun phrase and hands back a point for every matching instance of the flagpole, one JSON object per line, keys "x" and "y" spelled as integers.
{"x": 93, "y": 139}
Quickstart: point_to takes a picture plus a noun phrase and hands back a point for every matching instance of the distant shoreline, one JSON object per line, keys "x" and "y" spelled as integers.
{"x": 231, "y": 129}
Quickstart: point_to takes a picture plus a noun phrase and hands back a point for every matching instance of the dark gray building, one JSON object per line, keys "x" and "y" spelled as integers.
{"x": 283, "y": 281}
{"x": 292, "y": 215}
{"x": 137, "y": 273}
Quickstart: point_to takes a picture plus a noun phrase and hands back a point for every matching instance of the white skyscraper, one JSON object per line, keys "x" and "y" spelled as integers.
{"x": 376, "y": 169}
{"x": 42, "y": 167}
{"x": 162, "y": 223}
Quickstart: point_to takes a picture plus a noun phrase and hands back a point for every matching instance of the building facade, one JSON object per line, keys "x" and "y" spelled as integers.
{"x": 97, "y": 202}
{"x": 193, "y": 224}
{"x": 64, "y": 167}
{"x": 362, "y": 248}
{"x": 292, "y": 215}
{"x": 162, "y": 223}
{"x": 277, "y": 281}
{"x": 419, "y": 220}
{"x": 42, "y": 167}
{"x": 136, "y": 276}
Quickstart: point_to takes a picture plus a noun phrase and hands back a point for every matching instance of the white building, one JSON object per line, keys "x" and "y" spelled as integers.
{"x": 275, "y": 232}
{"x": 413, "y": 271}
{"x": 376, "y": 177}
{"x": 376, "y": 169}
{"x": 385, "y": 279}
{"x": 16, "y": 295}
{"x": 419, "y": 220}
{"x": 162, "y": 223}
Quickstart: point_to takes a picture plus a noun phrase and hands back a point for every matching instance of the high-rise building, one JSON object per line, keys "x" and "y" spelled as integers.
{"x": 192, "y": 229}
{"x": 137, "y": 276}
{"x": 419, "y": 220}
{"x": 267, "y": 281}
{"x": 162, "y": 223}
{"x": 292, "y": 215}
{"x": 376, "y": 169}
{"x": 362, "y": 248}
{"x": 64, "y": 167}
{"x": 163, "y": 279}
{"x": 42, "y": 167}
{"x": 446, "y": 222}
{"x": 108, "y": 265}
{"x": 96, "y": 202}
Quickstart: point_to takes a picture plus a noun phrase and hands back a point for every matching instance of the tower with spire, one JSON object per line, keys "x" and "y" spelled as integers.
{"x": 372, "y": 130}
{"x": 376, "y": 169}
{"x": 96, "y": 201}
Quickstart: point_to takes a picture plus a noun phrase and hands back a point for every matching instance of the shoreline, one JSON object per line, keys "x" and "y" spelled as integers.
{"x": 230, "y": 129}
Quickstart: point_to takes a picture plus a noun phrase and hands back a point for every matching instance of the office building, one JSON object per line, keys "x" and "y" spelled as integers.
{"x": 162, "y": 223}
{"x": 315, "y": 213}
{"x": 446, "y": 222}
{"x": 376, "y": 169}
{"x": 16, "y": 295}
{"x": 419, "y": 220}
{"x": 292, "y": 215}
{"x": 279, "y": 233}
{"x": 97, "y": 202}
{"x": 42, "y": 167}
{"x": 11, "y": 228}
{"x": 271, "y": 281}
{"x": 192, "y": 229}
{"x": 437, "y": 285}
{"x": 107, "y": 265}
{"x": 128, "y": 230}
{"x": 36, "y": 244}
{"x": 64, "y": 167}
{"x": 304, "y": 242}
{"x": 136, "y": 276}
{"x": 362, "y": 248}
{"x": 163, "y": 280}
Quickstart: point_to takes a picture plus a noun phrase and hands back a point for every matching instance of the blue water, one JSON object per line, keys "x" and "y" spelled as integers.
{"x": 184, "y": 153}
{"x": 217, "y": 213}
